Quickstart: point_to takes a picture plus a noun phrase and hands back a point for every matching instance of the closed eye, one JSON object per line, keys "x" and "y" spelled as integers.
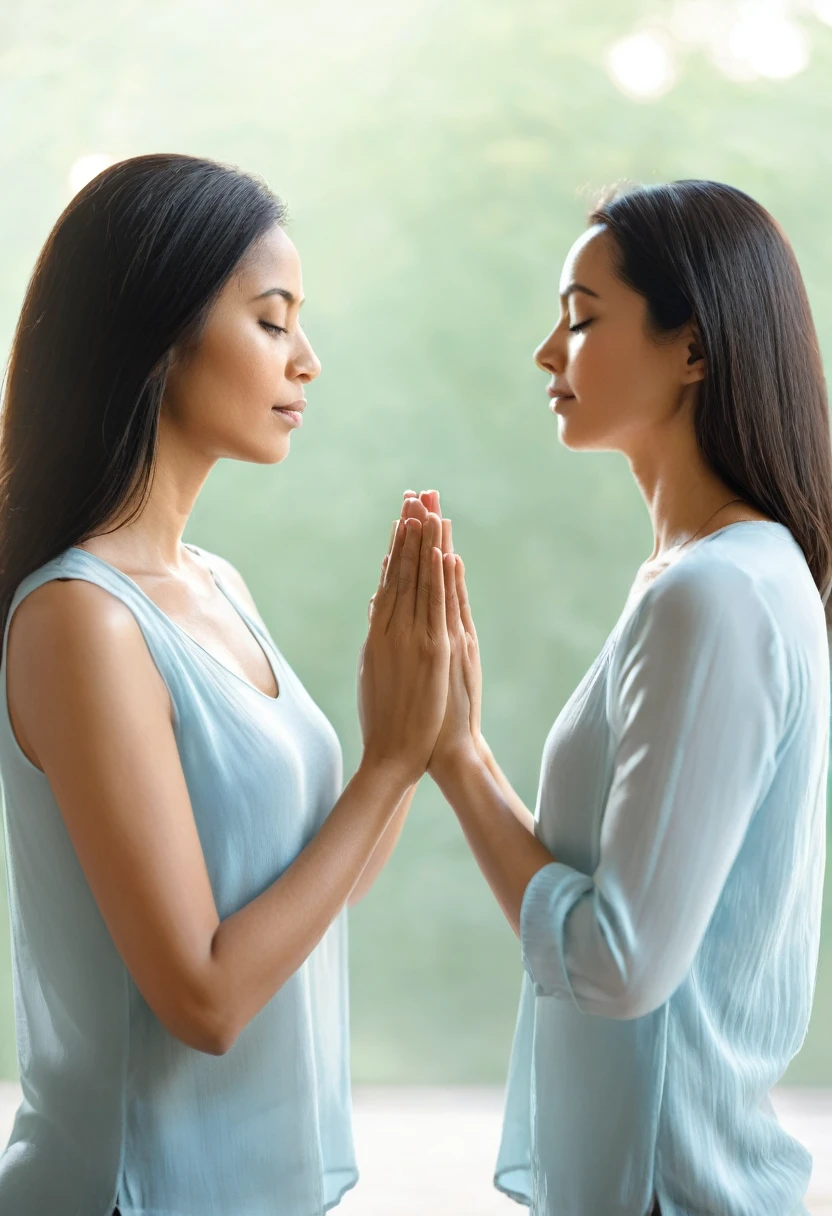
{"x": 273, "y": 329}
{"x": 576, "y": 329}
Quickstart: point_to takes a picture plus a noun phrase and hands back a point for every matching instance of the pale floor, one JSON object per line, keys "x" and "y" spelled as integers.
{"x": 432, "y": 1150}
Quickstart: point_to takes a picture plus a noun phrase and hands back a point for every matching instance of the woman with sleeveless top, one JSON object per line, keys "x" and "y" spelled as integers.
{"x": 180, "y": 853}
{"x": 667, "y": 889}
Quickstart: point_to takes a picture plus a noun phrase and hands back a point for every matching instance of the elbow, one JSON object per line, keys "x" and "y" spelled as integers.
{"x": 209, "y": 1034}
{"x": 215, "y": 1022}
{"x": 203, "y": 1034}
{"x": 622, "y": 997}
{"x": 201, "y": 1020}
{"x": 212, "y": 1035}
{"x": 636, "y": 998}
{"x": 217, "y": 1045}
{"x": 649, "y": 982}
{"x": 634, "y": 1005}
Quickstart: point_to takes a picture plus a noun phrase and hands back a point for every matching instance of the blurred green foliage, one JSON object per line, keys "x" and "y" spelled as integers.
{"x": 438, "y": 160}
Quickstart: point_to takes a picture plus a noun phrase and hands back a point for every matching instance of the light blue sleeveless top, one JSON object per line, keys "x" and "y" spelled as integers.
{"x": 116, "y": 1109}
{"x": 671, "y": 948}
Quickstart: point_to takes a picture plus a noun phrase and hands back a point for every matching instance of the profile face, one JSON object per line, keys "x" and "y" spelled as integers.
{"x": 615, "y": 383}
{"x": 240, "y": 391}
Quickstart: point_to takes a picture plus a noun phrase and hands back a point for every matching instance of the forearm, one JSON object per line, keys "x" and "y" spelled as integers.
{"x": 521, "y": 811}
{"x": 506, "y": 849}
{"x": 256, "y": 949}
{"x": 383, "y": 851}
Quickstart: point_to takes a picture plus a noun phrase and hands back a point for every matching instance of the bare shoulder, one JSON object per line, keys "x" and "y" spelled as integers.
{"x": 75, "y": 622}
{"x": 66, "y": 606}
{"x": 70, "y": 639}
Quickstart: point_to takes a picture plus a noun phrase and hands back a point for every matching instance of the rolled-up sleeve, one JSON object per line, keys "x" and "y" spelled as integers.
{"x": 697, "y": 702}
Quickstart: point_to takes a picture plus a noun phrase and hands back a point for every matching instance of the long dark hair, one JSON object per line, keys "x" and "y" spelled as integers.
{"x": 129, "y": 270}
{"x": 705, "y": 251}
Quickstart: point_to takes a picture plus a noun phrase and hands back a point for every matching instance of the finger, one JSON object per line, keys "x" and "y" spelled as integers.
{"x": 385, "y": 561}
{"x": 408, "y": 574}
{"x": 462, "y": 596}
{"x": 437, "y": 623}
{"x": 451, "y": 599}
{"x": 431, "y": 535}
{"x": 393, "y": 528}
{"x": 447, "y": 539}
{"x": 431, "y": 500}
{"x": 388, "y": 583}
{"x": 412, "y": 508}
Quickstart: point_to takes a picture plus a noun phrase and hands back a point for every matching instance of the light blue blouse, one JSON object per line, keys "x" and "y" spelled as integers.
{"x": 671, "y": 948}
{"x": 115, "y": 1108}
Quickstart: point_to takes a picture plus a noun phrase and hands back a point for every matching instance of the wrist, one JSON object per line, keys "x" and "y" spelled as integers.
{"x": 452, "y": 763}
{"x": 394, "y": 772}
{"x": 484, "y": 751}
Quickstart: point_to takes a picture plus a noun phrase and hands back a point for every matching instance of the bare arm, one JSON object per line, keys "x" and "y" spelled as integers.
{"x": 388, "y": 840}
{"x": 76, "y": 651}
{"x": 92, "y": 707}
{"x": 512, "y": 798}
{"x": 383, "y": 851}
{"x": 503, "y": 843}
{"x": 498, "y": 827}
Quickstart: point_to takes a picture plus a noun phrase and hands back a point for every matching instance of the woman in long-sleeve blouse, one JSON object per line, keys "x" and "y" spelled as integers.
{"x": 667, "y": 890}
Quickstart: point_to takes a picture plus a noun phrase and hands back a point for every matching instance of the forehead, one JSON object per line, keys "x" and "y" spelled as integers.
{"x": 588, "y": 261}
{"x": 273, "y": 261}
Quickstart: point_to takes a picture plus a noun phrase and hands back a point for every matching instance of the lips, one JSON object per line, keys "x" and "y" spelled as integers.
{"x": 291, "y": 414}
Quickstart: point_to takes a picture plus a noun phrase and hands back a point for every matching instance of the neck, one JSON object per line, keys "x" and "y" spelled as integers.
{"x": 152, "y": 541}
{"x": 680, "y": 491}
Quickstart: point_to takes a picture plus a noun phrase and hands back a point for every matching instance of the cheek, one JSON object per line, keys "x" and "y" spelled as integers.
{"x": 595, "y": 366}
{"x": 607, "y": 369}
{"x": 240, "y": 367}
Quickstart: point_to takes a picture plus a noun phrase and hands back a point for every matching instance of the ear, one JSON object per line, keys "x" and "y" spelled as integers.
{"x": 694, "y": 369}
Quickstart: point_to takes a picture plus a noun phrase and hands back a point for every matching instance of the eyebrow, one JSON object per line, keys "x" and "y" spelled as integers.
{"x": 573, "y": 287}
{"x": 279, "y": 291}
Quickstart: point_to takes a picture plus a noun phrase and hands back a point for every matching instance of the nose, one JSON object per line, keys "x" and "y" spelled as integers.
{"x": 307, "y": 363}
{"x": 548, "y": 356}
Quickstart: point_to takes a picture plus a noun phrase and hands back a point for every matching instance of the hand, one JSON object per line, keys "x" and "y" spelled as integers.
{"x": 403, "y": 666}
{"x": 412, "y": 508}
{"x": 461, "y": 727}
{"x": 415, "y": 506}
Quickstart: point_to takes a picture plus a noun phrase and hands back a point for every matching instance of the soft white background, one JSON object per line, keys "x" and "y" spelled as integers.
{"x": 424, "y": 1150}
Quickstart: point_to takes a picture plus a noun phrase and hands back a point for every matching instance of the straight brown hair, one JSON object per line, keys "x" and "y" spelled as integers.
{"x": 705, "y": 251}
{"x": 129, "y": 270}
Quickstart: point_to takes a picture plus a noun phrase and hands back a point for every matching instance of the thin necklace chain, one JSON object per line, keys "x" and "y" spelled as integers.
{"x": 708, "y": 520}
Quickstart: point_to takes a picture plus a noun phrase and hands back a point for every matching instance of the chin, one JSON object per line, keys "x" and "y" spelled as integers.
{"x": 280, "y": 456}
{"x": 570, "y": 436}
{"x": 275, "y": 454}
{"x": 580, "y": 439}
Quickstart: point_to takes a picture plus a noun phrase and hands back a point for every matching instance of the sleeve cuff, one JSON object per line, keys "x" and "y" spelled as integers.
{"x": 549, "y": 897}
